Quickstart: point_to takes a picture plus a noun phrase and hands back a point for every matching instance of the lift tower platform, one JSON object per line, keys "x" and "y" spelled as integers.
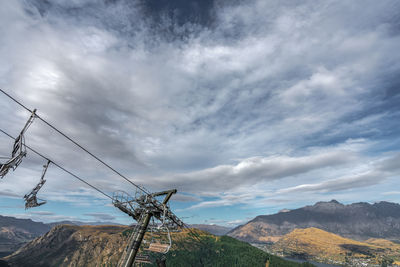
{"x": 142, "y": 208}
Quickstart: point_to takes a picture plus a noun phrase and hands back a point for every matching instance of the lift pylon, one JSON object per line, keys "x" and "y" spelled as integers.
{"x": 146, "y": 207}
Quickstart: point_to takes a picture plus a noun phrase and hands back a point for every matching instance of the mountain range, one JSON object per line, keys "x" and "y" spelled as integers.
{"x": 359, "y": 221}
{"x": 358, "y": 232}
{"x": 16, "y": 232}
{"x": 70, "y": 245}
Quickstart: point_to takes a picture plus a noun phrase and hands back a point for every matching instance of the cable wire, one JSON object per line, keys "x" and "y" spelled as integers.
{"x": 81, "y": 147}
{"x": 59, "y": 166}
{"x": 196, "y": 235}
{"x": 75, "y": 143}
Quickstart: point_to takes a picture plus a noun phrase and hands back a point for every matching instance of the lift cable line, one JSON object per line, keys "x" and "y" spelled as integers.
{"x": 156, "y": 203}
{"x": 142, "y": 208}
{"x": 75, "y": 143}
{"x": 147, "y": 208}
{"x": 60, "y": 167}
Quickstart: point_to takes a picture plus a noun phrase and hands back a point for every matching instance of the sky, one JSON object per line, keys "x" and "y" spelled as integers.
{"x": 245, "y": 107}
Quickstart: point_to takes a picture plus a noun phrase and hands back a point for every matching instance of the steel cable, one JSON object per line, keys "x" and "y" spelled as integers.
{"x": 59, "y": 166}
{"x": 75, "y": 143}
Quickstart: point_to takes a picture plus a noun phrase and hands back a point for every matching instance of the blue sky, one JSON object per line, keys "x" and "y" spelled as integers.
{"x": 246, "y": 107}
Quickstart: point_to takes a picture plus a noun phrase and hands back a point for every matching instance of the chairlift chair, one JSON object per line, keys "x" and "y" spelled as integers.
{"x": 31, "y": 200}
{"x": 160, "y": 239}
{"x": 143, "y": 259}
{"x": 19, "y": 150}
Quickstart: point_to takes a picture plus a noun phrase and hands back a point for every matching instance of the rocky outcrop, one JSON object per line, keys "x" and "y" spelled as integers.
{"x": 359, "y": 221}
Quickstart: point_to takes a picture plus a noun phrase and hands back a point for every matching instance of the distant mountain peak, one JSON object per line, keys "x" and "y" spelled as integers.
{"x": 358, "y": 221}
{"x": 332, "y": 202}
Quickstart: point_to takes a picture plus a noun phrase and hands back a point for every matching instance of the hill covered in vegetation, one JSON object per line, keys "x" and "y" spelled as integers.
{"x": 69, "y": 245}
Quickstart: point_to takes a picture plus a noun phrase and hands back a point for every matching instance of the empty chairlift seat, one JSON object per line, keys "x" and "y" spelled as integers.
{"x": 143, "y": 259}
{"x": 31, "y": 200}
{"x": 158, "y": 247}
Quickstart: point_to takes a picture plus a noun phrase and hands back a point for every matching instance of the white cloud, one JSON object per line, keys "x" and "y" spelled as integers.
{"x": 252, "y": 171}
{"x": 239, "y": 103}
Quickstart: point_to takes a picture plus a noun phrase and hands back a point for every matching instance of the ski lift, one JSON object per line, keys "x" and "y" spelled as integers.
{"x": 19, "y": 149}
{"x": 31, "y": 200}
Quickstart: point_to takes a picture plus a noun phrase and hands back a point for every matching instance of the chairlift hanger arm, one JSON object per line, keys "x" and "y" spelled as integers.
{"x": 31, "y": 200}
{"x": 19, "y": 149}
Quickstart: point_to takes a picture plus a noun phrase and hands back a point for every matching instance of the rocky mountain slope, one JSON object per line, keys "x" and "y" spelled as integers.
{"x": 322, "y": 246}
{"x": 68, "y": 245}
{"x": 16, "y": 232}
{"x": 359, "y": 221}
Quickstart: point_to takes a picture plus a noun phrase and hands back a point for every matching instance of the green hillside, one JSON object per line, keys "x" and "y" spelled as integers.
{"x": 214, "y": 251}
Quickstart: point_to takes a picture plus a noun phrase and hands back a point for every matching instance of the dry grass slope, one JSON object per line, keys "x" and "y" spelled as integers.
{"x": 324, "y": 246}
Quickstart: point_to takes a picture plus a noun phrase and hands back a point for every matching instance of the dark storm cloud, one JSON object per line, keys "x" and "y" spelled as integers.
{"x": 170, "y": 20}
{"x": 180, "y": 12}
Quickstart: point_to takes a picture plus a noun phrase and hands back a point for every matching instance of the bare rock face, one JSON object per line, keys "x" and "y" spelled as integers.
{"x": 358, "y": 221}
{"x": 68, "y": 245}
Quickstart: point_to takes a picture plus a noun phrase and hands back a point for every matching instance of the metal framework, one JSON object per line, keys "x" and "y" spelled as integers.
{"x": 31, "y": 200}
{"x": 19, "y": 149}
{"x": 142, "y": 208}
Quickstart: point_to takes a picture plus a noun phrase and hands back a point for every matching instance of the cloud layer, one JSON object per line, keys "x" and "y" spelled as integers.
{"x": 232, "y": 105}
